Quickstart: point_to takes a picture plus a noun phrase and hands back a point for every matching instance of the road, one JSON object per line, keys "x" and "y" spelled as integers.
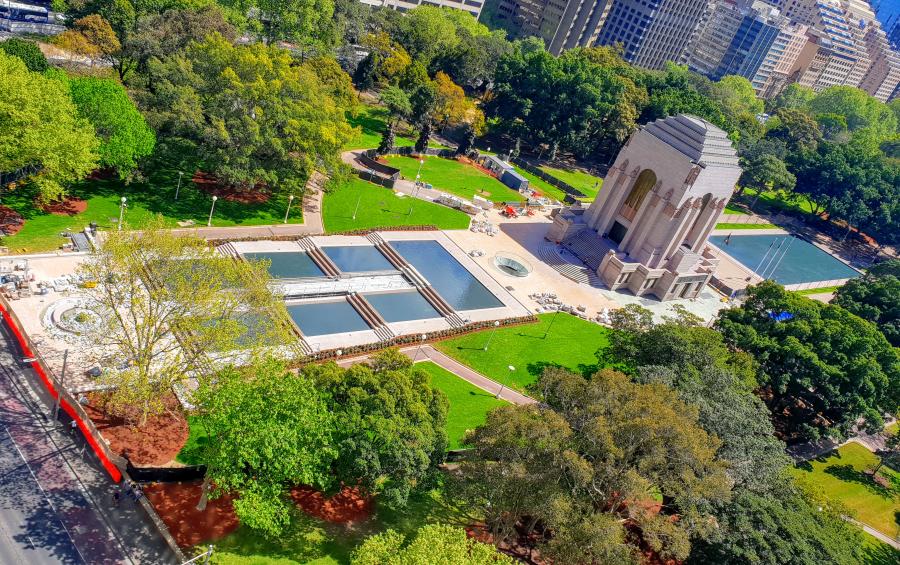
{"x": 46, "y": 513}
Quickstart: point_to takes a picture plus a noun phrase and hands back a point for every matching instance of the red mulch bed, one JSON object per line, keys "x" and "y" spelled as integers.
{"x": 176, "y": 504}
{"x": 156, "y": 443}
{"x": 211, "y": 185}
{"x": 10, "y": 221}
{"x": 67, "y": 207}
{"x": 348, "y": 506}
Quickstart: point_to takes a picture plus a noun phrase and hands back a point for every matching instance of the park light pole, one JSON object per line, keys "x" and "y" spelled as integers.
{"x": 211, "y": 210}
{"x": 62, "y": 386}
{"x": 550, "y": 325}
{"x": 419, "y": 172}
{"x": 490, "y": 337}
{"x": 121, "y": 211}
{"x": 422, "y": 339}
{"x": 290, "y": 200}
{"x": 178, "y": 188}
{"x": 355, "y": 210}
{"x": 502, "y": 386}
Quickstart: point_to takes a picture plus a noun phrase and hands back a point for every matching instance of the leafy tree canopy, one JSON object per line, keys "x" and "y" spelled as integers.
{"x": 392, "y": 423}
{"x": 591, "y": 463}
{"x": 124, "y": 135}
{"x": 433, "y": 543}
{"x": 43, "y": 140}
{"x": 268, "y": 429}
{"x": 253, "y": 114}
{"x": 822, "y": 369}
{"x": 876, "y": 298}
{"x": 26, "y": 50}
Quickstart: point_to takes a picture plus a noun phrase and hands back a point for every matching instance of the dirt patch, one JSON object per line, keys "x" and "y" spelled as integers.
{"x": 348, "y": 506}
{"x": 67, "y": 207}
{"x": 10, "y": 221}
{"x": 153, "y": 444}
{"x": 213, "y": 186}
{"x": 176, "y": 504}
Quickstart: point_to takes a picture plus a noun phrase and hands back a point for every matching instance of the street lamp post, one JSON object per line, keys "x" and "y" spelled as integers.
{"x": 211, "y": 210}
{"x": 490, "y": 337}
{"x": 550, "y": 325}
{"x": 178, "y": 188}
{"x": 502, "y": 386}
{"x": 355, "y": 210}
{"x": 422, "y": 339}
{"x": 419, "y": 172}
{"x": 121, "y": 211}
{"x": 290, "y": 200}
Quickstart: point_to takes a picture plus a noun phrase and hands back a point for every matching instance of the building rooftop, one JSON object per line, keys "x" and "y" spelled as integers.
{"x": 700, "y": 140}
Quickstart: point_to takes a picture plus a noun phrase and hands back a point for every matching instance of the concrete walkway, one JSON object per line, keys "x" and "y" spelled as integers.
{"x": 405, "y": 186}
{"x": 312, "y": 220}
{"x": 875, "y": 533}
{"x": 811, "y": 450}
{"x": 429, "y": 353}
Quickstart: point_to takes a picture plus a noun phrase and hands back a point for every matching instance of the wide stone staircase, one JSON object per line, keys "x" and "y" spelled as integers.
{"x": 587, "y": 246}
{"x": 577, "y": 272}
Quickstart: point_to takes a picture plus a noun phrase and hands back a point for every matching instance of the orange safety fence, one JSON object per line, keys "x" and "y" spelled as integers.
{"x": 67, "y": 403}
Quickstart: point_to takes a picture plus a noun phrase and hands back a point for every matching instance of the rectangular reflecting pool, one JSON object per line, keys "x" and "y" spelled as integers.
{"x": 288, "y": 264}
{"x": 357, "y": 258}
{"x": 802, "y": 261}
{"x": 321, "y": 318}
{"x": 452, "y": 280}
{"x": 402, "y": 306}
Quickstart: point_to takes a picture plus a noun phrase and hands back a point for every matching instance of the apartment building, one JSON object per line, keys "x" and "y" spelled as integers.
{"x": 883, "y": 75}
{"x": 652, "y": 32}
{"x": 714, "y": 35}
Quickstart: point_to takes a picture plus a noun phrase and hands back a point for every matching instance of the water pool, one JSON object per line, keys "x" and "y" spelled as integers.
{"x": 321, "y": 318}
{"x": 288, "y": 264}
{"x": 358, "y": 258}
{"x": 402, "y": 306}
{"x": 452, "y": 281}
{"x": 803, "y": 262}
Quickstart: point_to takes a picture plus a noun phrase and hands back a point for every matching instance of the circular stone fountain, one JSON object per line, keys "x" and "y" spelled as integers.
{"x": 72, "y": 318}
{"x": 512, "y": 265}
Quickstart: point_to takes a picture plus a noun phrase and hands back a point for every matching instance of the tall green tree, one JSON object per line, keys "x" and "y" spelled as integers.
{"x": 125, "y": 137}
{"x": 392, "y": 423}
{"x": 875, "y": 297}
{"x": 821, "y": 369}
{"x": 304, "y": 22}
{"x": 43, "y": 140}
{"x": 433, "y": 543}
{"x": 253, "y": 115}
{"x": 26, "y": 50}
{"x": 268, "y": 429}
{"x": 861, "y": 111}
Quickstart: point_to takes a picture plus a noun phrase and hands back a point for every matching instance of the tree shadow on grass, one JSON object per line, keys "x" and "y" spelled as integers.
{"x": 849, "y": 474}
{"x": 586, "y": 370}
{"x": 879, "y": 554}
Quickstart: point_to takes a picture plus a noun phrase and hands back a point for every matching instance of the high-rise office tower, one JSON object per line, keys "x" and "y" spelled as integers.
{"x": 883, "y": 75}
{"x": 652, "y": 32}
{"x": 471, "y": 6}
{"x": 712, "y": 38}
{"x": 562, "y": 24}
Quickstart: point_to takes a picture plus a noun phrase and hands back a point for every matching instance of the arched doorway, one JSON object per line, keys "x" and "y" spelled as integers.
{"x": 642, "y": 186}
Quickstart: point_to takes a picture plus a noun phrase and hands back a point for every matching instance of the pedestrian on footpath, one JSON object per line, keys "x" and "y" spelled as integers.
{"x": 116, "y": 495}
{"x": 73, "y": 426}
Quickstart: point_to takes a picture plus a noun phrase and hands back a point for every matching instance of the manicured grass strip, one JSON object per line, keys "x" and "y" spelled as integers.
{"x": 190, "y": 453}
{"x": 587, "y": 183}
{"x": 876, "y": 552}
{"x": 454, "y": 177}
{"x": 469, "y": 404}
{"x": 822, "y": 290}
{"x": 734, "y": 211}
{"x": 372, "y": 120}
{"x": 542, "y": 186}
{"x": 729, "y": 226}
{"x": 571, "y": 343}
{"x": 377, "y": 206}
{"x": 155, "y": 195}
{"x": 778, "y": 201}
{"x": 841, "y": 476}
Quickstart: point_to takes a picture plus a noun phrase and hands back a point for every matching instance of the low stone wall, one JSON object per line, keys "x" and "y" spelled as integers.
{"x": 550, "y": 179}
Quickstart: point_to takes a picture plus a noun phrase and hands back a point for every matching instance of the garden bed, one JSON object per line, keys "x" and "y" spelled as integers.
{"x": 10, "y": 221}
{"x": 156, "y": 443}
{"x": 68, "y": 207}
{"x": 176, "y": 504}
{"x": 211, "y": 185}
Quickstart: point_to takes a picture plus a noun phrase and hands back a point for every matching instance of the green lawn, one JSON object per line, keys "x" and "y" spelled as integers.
{"x": 777, "y": 201}
{"x": 822, "y": 290}
{"x": 380, "y": 207}
{"x": 584, "y": 182}
{"x": 454, "y": 177}
{"x": 841, "y": 477}
{"x": 371, "y": 120}
{"x": 469, "y": 404}
{"x": 309, "y": 540}
{"x": 729, "y": 226}
{"x": 571, "y": 343}
{"x": 156, "y": 195}
{"x": 190, "y": 453}
{"x": 735, "y": 211}
{"x": 540, "y": 185}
